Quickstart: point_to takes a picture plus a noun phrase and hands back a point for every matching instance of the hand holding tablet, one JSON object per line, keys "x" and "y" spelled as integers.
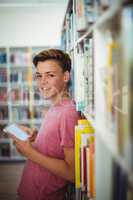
{"x": 14, "y": 129}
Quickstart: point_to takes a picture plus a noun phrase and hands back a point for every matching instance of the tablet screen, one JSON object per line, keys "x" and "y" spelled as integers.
{"x": 15, "y": 130}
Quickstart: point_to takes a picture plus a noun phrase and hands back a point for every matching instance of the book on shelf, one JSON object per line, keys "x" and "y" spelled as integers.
{"x": 20, "y": 57}
{"x": 84, "y": 159}
{"x": 85, "y": 14}
{"x": 3, "y": 112}
{"x": 3, "y": 95}
{"x": 5, "y": 149}
{"x": 3, "y": 57}
{"x": 3, "y": 74}
{"x": 68, "y": 31}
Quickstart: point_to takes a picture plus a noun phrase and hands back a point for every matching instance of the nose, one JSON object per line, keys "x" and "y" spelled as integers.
{"x": 44, "y": 80}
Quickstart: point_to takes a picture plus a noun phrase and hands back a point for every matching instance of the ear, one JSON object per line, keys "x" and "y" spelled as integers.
{"x": 66, "y": 76}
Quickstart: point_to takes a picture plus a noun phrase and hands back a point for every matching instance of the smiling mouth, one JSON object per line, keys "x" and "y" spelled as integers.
{"x": 45, "y": 89}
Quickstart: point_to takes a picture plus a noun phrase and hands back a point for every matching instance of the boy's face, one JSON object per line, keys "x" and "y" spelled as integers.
{"x": 51, "y": 79}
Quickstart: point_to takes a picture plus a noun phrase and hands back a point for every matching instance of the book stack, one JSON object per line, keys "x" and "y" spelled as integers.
{"x": 84, "y": 160}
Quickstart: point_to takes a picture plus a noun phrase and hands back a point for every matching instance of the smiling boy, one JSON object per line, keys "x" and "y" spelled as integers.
{"x": 50, "y": 163}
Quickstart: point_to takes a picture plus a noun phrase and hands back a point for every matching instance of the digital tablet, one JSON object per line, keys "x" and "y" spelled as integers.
{"x": 15, "y": 130}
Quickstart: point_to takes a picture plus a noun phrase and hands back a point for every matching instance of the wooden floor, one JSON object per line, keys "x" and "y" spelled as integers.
{"x": 10, "y": 174}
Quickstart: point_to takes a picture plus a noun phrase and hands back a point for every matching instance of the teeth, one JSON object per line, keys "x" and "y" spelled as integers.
{"x": 44, "y": 88}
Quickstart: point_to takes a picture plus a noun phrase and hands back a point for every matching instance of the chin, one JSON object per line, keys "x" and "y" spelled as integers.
{"x": 46, "y": 97}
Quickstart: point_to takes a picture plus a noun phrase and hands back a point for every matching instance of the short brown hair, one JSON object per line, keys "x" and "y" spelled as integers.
{"x": 54, "y": 54}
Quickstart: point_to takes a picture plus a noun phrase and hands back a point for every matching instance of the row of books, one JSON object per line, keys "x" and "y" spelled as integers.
{"x": 84, "y": 160}
{"x": 86, "y": 13}
{"x": 20, "y": 58}
{"x": 15, "y": 76}
{"x": 19, "y": 76}
{"x": 23, "y": 95}
{"x": 84, "y": 96}
{"x": 20, "y": 113}
{"x": 17, "y": 58}
{"x": 24, "y": 113}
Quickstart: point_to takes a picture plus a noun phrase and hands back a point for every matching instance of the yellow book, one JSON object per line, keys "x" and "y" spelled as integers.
{"x": 84, "y": 127}
{"x": 77, "y": 157}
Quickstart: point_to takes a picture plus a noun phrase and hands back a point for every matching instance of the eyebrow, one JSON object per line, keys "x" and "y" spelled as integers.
{"x": 46, "y": 72}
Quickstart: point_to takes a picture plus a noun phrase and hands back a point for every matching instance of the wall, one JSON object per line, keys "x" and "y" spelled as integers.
{"x": 31, "y": 26}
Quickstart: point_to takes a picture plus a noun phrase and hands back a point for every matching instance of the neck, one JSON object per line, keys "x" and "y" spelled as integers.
{"x": 64, "y": 95}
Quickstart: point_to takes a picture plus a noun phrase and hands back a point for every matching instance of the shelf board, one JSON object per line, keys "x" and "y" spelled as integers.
{"x": 4, "y": 103}
{"x": 27, "y": 103}
{"x": 19, "y": 66}
{"x": 19, "y": 103}
{"x": 15, "y": 84}
{"x": 4, "y": 140}
{"x": 12, "y": 158}
{"x": 23, "y": 121}
{"x": 3, "y": 84}
{"x": 3, "y": 65}
{"x": 37, "y": 121}
{"x": 4, "y": 121}
{"x": 40, "y": 103}
{"x": 29, "y": 121}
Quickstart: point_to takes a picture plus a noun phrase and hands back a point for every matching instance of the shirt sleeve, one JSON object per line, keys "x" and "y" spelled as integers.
{"x": 67, "y": 127}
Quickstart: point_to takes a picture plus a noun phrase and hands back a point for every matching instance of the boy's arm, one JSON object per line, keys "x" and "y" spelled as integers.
{"x": 63, "y": 168}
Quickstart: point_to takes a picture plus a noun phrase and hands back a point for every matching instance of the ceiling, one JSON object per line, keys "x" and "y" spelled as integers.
{"x": 31, "y": 1}
{"x": 27, "y": 2}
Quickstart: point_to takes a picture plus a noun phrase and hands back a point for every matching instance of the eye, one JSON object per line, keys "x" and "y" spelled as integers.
{"x": 38, "y": 76}
{"x": 51, "y": 75}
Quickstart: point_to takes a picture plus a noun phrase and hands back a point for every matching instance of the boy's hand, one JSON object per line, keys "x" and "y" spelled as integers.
{"x": 23, "y": 147}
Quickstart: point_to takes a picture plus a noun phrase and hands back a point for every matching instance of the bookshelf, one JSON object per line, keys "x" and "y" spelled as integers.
{"x": 20, "y": 101}
{"x": 98, "y": 37}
